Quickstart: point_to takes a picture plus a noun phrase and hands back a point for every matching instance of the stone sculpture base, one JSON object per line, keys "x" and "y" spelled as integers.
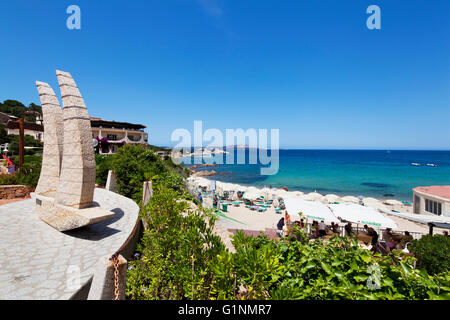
{"x": 64, "y": 218}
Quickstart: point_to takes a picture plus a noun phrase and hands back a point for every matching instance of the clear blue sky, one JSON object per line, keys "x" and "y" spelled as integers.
{"x": 309, "y": 68}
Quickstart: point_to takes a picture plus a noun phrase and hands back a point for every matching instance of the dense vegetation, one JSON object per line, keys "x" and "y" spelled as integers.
{"x": 134, "y": 164}
{"x": 433, "y": 253}
{"x": 28, "y": 174}
{"x": 18, "y": 109}
{"x": 180, "y": 258}
{"x": 28, "y": 141}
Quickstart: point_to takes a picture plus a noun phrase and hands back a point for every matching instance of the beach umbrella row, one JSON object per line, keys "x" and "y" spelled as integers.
{"x": 350, "y": 199}
{"x": 361, "y": 214}
{"x": 335, "y": 212}
{"x": 330, "y": 198}
{"x": 309, "y": 209}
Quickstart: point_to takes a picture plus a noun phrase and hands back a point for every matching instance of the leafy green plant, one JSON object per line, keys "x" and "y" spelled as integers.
{"x": 28, "y": 175}
{"x": 103, "y": 165}
{"x": 177, "y": 250}
{"x": 134, "y": 164}
{"x": 432, "y": 253}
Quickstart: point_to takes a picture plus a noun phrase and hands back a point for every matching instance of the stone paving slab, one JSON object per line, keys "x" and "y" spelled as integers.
{"x": 39, "y": 262}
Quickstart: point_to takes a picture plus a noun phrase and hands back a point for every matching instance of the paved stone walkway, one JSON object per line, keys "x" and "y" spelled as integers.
{"x": 38, "y": 262}
{"x": 6, "y": 201}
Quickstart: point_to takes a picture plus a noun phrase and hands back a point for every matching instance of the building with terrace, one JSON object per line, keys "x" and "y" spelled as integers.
{"x": 432, "y": 200}
{"x": 111, "y": 135}
{"x": 33, "y": 129}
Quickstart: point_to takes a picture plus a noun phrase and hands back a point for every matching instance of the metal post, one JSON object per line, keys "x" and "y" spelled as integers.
{"x": 21, "y": 143}
{"x": 431, "y": 228}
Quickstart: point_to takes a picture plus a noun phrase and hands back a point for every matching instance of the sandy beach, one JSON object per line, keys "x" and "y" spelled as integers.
{"x": 240, "y": 217}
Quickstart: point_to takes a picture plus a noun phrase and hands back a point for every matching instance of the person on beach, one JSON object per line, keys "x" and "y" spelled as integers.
{"x": 302, "y": 224}
{"x": 280, "y": 226}
{"x": 366, "y": 229}
{"x": 389, "y": 238}
{"x": 287, "y": 217}
{"x": 322, "y": 227}
{"x": 348, "y": 229}
{"x": 315, "y": 230}
{"x": 374, "y": 235}
{"x": 200, "y": 198}
{"x": 335, "y": 227}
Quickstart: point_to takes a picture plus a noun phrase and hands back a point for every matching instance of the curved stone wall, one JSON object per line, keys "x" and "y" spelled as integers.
{"x": 39, "y": 262}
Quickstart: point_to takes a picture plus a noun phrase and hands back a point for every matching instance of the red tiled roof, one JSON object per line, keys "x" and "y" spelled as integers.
{"x": 439, "y": 191}
{"x": 26, "y": 125}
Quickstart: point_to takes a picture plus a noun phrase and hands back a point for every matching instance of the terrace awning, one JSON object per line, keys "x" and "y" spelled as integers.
{"x": 360, "y": 214}
{"x": 309, "y": 209}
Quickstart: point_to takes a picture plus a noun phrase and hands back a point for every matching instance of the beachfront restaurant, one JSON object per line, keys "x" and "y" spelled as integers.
{"x": 432, "y": 200}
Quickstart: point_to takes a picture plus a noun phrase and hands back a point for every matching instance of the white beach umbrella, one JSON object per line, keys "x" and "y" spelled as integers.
{"x": 279, "y": 192}
{"x": 267, "y": 193}
{"x": 350, "y": 199}
{"x": 370, "y": 200}
{"x": 362, "y": 215}
{"x": 313, "y": 196}
{"x": 298, "y": 194}
{"x": 374, "y": 203}
{"x": 252, "y": 193}
{"x": 309, "y": 209}
{"x": 393, "y": 202}
{"x": 203, "y": 182}
{"x": 275, "y": 202}
{"x": 330, "y": 198}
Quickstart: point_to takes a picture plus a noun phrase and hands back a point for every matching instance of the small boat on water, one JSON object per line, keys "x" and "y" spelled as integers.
{"x": 431, "y": 165}
{"x": 415, "y": 164}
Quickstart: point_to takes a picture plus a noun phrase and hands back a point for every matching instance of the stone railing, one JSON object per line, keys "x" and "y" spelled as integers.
{"x": 15, "y": 191}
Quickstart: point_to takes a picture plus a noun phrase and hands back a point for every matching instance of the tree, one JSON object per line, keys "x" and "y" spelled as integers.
{"x": 4, "y": 138}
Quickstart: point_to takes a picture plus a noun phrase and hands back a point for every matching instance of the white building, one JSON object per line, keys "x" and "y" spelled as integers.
{"x": 112, "y": 135}
{"x": 432, "y": 200}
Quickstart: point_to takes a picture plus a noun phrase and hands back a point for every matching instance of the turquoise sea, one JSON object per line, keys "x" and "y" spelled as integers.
{"x": 374, "y": 173}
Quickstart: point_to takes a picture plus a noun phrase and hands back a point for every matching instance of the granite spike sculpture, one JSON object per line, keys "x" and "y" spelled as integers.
{"x": 53, "y": 147}
{"x": 77, "y": 178}
{"x": 65, "y": 201}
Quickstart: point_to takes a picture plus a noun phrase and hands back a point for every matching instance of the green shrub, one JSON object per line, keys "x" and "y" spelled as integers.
{"x": 8, "y": 179}
{"x": 28, "y": 175}
{"x": 103, "y": 165}
{"x": 432, "y": 253}
{"x": 134, "y": 164}
{"x": 176, "y": 251}
{"x": 29, "y": 141}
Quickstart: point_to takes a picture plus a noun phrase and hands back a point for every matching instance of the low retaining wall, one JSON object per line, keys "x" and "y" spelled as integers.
{"x": 15, "y": 191}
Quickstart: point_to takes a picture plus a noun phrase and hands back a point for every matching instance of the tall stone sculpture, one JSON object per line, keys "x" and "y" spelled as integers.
{"x": 65, "y": 192}
{"x": 53, "y": 147}
{"x": 77, "y": 178}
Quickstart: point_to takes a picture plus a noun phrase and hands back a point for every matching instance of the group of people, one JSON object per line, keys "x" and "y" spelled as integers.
{"x": 320, "y": 229}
